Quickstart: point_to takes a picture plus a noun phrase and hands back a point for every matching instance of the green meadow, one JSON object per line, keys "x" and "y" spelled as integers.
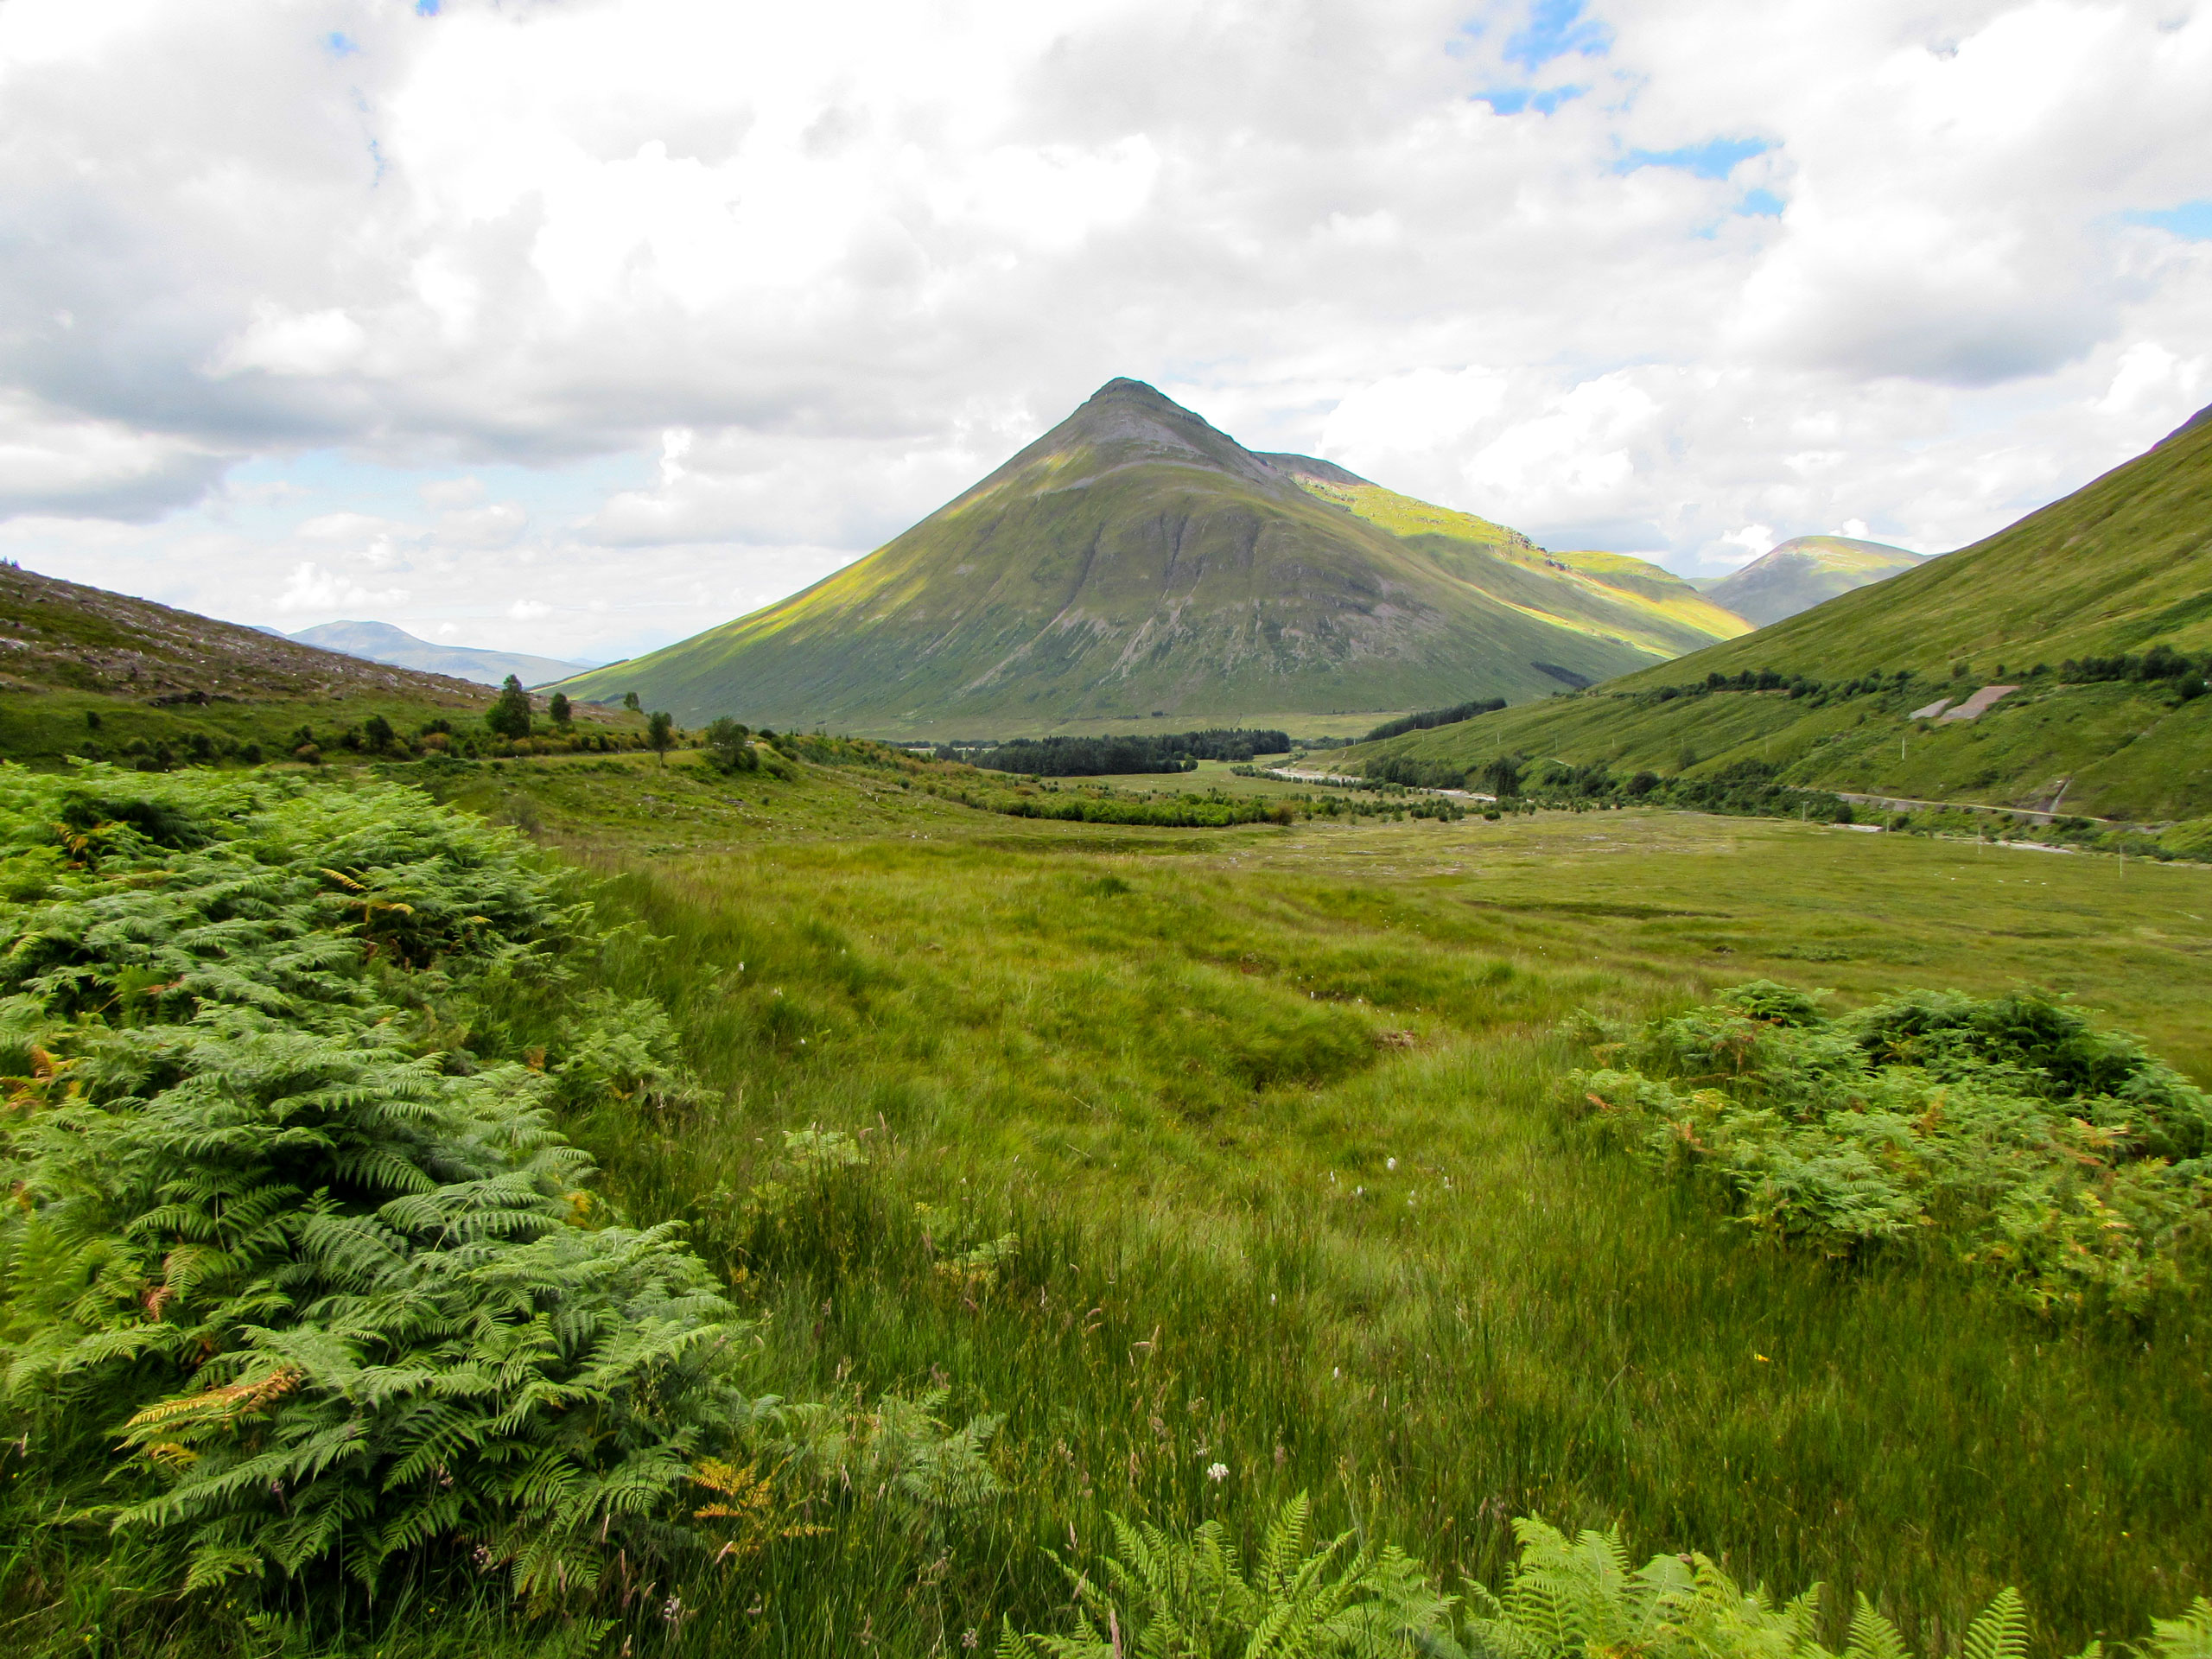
{"x": 1275, "y": 1112}
{"x": 1202, "y": 1168}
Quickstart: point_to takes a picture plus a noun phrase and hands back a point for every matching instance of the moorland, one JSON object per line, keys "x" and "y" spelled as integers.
{"x": 1043, "y": 1172}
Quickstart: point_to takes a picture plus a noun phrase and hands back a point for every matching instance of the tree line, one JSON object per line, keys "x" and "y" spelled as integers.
{"x": 1092, "y": 757}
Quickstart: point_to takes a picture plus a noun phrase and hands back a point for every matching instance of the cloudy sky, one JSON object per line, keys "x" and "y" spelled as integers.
{"x": 576, "y": 326}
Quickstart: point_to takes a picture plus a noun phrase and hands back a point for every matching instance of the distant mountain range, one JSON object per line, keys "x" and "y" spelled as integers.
{"x": 2065, "y": 606}
{"x": 380, "y": 642}
{"x": 1133, "y": 563}
{"x": 1803, "y": 572}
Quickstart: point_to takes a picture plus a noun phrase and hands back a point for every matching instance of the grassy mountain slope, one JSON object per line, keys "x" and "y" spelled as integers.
{"x": 2119, "y": 565}
{"x": 380, "y": 642}
{"x": 1134, "y": 562}
{"x": 1806, "y": 571}
{"x": 1613, "y": 591}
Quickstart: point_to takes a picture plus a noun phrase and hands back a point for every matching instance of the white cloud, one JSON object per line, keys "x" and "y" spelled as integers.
{"x": 313, "y": 588}
{"x": 319, "y": 343}
{"x": 787, "y": 280}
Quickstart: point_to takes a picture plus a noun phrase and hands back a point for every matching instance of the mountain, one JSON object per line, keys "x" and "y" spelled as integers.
{"x": 1805, "y": 571}
{"x": 380, "y": 642}
{"x": 57, "y": 635}
{"x": 2120, "y": 566}
{"x": 1134, "y": 563}
{"x": 1651, "y": 606}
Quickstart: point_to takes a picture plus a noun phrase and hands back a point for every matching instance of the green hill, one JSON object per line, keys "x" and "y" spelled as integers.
{"x": 1136, "y": 564}
{"x": 2117, "y": 567}
{"x": 1615, "y": 591}
{"x": 1806, "y": 571}
{"x": 91, "y": 673}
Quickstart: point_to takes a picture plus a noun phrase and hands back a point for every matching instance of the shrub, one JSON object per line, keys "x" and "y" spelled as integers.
{"x": 509, "y": 717}
{"x": 329, "y": 1281}
{"x": 729, "y": 746}
{"x": 2062, "y": 1160}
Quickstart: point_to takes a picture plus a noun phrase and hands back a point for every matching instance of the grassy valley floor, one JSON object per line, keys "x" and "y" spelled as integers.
{"x": 1212, "y": 1166}
{"x": 1274, "y": 1116}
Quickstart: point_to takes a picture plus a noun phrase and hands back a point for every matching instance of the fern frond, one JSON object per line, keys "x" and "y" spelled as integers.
{"x": 2001, "y": 1632}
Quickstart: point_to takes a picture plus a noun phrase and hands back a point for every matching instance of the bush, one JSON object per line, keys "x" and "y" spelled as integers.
{"x": 729, "y": 746}
{"x": 327, "y": 1279}
{"x": 509, "y": 717}
{"x": 2062, "y": 1160}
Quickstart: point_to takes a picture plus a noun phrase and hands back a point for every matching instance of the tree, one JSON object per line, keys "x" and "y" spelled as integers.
{"x": 630, "y": 701}
{"x": 730, "y": 745}
{"x": 660, "y": 734}
{"x": 1503, "y": 776}
{"x": 559, "y": 710}
{"x": 510, "y": 715}
{"x": 378, "y": 732}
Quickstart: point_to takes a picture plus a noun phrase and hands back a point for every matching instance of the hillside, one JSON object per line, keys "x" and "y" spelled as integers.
{"x": 56, "y": 634}
{"x": 1648, "y": 604}
{"x": 86, "y": 672}
{"x": 1806, "y": 571}
{"x": 2121, "y": 565}
{"x": 380, "y": 642}
{"x": 1133, "y": 563}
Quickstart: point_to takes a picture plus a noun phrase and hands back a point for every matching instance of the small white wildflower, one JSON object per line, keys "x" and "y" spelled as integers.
{"x": 970, "y": 1639}
{"x": 1216, "y": 1472}
{"x": 672, "y": 1609}
{"x": 1389, "y": 1163}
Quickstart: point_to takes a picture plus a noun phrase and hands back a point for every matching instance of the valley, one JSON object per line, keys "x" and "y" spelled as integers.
{"x": 1105, "y": 832}
{"x": 1255, "y": 1142}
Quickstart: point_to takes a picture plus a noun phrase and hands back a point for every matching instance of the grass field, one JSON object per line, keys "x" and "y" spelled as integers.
{"x": 1274, "y": 1116}
{"x": 1274, "y": 1113}
{"x": 2117, "y": 750}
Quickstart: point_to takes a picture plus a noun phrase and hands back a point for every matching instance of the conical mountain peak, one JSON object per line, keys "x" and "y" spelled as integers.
{"x": 1135, "y": 563}
{"x": 1127, "y": 423}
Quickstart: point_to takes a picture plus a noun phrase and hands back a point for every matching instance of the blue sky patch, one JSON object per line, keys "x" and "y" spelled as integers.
{"x": 426, "y": 7}
{"x": 2192, "y": 220}
{"x": 1716, "y": 158}
{"x": 339, "y": 46}
{"x": 1760, "y": 204}
{"x": 1511, "y": 100}
{"x": 1556, "y": 28}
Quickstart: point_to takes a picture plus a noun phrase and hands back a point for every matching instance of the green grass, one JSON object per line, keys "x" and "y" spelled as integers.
{"x": 1180, "y": 1064}
{"x": 2116, "y": 567}
{"x": 1168, "y": 1060}
{"x": 2114, "y": 749}
{"x": 1610, "y": 592}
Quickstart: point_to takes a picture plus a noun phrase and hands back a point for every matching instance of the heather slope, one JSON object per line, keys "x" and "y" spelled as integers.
{"x": 61, "y": 635}
{"x": 1134, "y": 562}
